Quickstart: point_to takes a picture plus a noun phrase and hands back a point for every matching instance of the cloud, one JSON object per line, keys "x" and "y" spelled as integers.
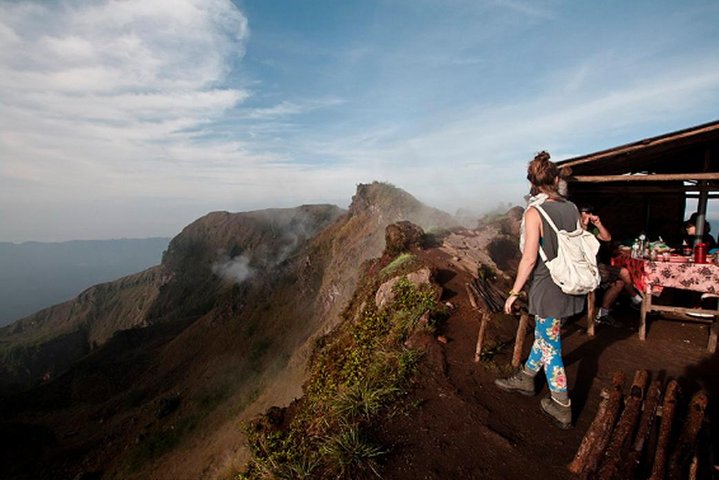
{"x": 104, "y": 82}
{"x": 477, "y": 155}
{"x": 530, "y": 9}
{"x": 132, "y": 118}
{"x": 96, "y": 94}
{"x": 120, "y": 102}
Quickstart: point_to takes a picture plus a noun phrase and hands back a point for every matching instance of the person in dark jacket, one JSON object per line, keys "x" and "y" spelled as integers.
{"x": 690, "y": 232}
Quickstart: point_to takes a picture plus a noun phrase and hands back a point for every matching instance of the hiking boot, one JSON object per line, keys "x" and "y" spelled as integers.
{"x": 520, "y": 382}
{"x": 560, "y": 414}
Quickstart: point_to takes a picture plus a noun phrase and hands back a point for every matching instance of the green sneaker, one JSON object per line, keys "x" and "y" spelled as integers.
{"x": 520, "y": 382}
{"x": 561, "y": 414}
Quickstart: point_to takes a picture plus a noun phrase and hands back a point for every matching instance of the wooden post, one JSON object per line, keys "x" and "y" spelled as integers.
{"x": 646, "y": 305}
{"x": 665, "y": 428}
{"x": 471, "y": 296}
{"x": 693, "y": 468}
{"x": 595, "y": 440}
{"x": 682, "y": 455}
{"x": 482, "y": 324}
{"x": 624, "y": 428}
{"x": 480, "y": 337}
{"x": 519, "y": 339}
{"x": 591, "y": 312}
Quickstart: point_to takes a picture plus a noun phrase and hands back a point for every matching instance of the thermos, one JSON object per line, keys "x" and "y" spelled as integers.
{"x": 700, "y": 253}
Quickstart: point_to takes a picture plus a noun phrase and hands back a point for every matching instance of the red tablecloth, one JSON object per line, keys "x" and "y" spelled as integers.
{"x": 652, "y": 277}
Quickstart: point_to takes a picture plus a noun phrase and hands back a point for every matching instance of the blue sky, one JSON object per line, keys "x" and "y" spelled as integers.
{"x": 132, "y": 118}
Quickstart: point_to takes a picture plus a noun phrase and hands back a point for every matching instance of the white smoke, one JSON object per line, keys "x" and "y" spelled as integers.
{"x": 291, "y": 228}
{"x": 236, "y": 269}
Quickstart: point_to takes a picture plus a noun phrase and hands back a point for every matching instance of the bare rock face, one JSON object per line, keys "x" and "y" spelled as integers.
{"x": 384, "y": 295}
{"x": 512, "y": 221}
{"x": 505, "y": 253}
{"x": 402, "y": 237}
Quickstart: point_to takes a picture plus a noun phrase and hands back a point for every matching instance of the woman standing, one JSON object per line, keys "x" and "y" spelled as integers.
{"x": 547, "y": 302}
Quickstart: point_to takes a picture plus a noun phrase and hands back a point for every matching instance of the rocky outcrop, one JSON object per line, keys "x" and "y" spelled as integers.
{"x": 494, "y": 244}
{"x": 401, "y": 237}
{"x": 385, "y": 294}
{"x": 509, "y": 224}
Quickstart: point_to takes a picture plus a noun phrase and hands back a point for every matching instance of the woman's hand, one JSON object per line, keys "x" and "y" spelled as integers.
{"x": 508, "y": 304}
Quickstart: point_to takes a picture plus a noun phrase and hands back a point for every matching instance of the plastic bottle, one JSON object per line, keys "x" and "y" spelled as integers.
{"x": 643, "y": 247}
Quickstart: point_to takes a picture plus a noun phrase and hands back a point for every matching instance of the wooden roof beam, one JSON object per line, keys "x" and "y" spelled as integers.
{"x": 654, "y": 177}
{"x": 705, "y": 132}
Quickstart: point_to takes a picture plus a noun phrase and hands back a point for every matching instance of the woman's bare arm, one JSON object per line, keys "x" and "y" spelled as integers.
{"x": 532, "y": 233}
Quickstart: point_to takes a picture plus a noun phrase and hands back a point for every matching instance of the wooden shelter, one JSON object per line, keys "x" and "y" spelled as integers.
{"x": 643, "y": 186}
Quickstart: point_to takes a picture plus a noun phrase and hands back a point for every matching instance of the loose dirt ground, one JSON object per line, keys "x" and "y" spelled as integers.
{"x": 458, "y": 425}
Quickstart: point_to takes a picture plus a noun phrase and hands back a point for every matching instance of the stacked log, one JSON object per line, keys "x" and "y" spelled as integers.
{"x": 599, "y": 433}
{"x": 616, "y": 444}
{"x": 484, "y": 288}
{"x": 665, "y": 428}
{"x": 649, "y": 414}
{"x": 685, "y": 450}
{"x": 487, "y": 299}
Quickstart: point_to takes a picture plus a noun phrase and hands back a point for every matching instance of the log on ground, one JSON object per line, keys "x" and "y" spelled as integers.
{"x": 595, "y": 440}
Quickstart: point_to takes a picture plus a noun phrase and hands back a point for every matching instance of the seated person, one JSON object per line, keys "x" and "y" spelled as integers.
{"x": 690, "y": 231}
{"x": 614, "y": 280}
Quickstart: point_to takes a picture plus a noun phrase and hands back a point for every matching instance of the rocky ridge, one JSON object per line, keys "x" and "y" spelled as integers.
{"x": 210, "y": 349}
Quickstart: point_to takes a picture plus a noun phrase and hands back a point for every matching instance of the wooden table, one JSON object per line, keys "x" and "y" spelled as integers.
{"x": 651, "y": 277}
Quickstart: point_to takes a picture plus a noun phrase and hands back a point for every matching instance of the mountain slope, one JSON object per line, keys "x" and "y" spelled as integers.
{"x": 35, "y": 275}
{"x": 227, "y": 336}
{"x": 44, "y": 344}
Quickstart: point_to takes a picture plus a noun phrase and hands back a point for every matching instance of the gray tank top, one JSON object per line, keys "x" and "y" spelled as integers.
{"x": 546, "y": 299}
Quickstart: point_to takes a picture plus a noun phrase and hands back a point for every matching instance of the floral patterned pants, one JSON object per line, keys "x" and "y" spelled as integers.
{"x": 547, "y": 352}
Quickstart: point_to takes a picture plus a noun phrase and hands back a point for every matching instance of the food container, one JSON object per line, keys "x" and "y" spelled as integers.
{"x": 700, "y": 253}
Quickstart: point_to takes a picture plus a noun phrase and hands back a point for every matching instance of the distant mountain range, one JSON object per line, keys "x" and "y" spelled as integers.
{"x": 35, "y": 275}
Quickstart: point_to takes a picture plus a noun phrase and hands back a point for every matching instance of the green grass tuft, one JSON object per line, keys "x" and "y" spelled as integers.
{"x": 350, "y": 453}
{"x": 355, "y": 374}
{"x": 402, "y": 260}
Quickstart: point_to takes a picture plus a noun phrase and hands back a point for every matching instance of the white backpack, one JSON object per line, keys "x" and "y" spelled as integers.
{"x": 574, "y": 269}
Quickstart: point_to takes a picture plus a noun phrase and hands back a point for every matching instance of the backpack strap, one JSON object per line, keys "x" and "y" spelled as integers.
{"x": 551, "y": 224}
{"x": 547, "y": 218}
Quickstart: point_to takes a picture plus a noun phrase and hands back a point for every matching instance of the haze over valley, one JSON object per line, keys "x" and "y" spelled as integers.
{"x": 35, "y": 275}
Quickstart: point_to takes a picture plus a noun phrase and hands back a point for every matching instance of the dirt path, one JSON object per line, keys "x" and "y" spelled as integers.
{"x": 461, "y": 426}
